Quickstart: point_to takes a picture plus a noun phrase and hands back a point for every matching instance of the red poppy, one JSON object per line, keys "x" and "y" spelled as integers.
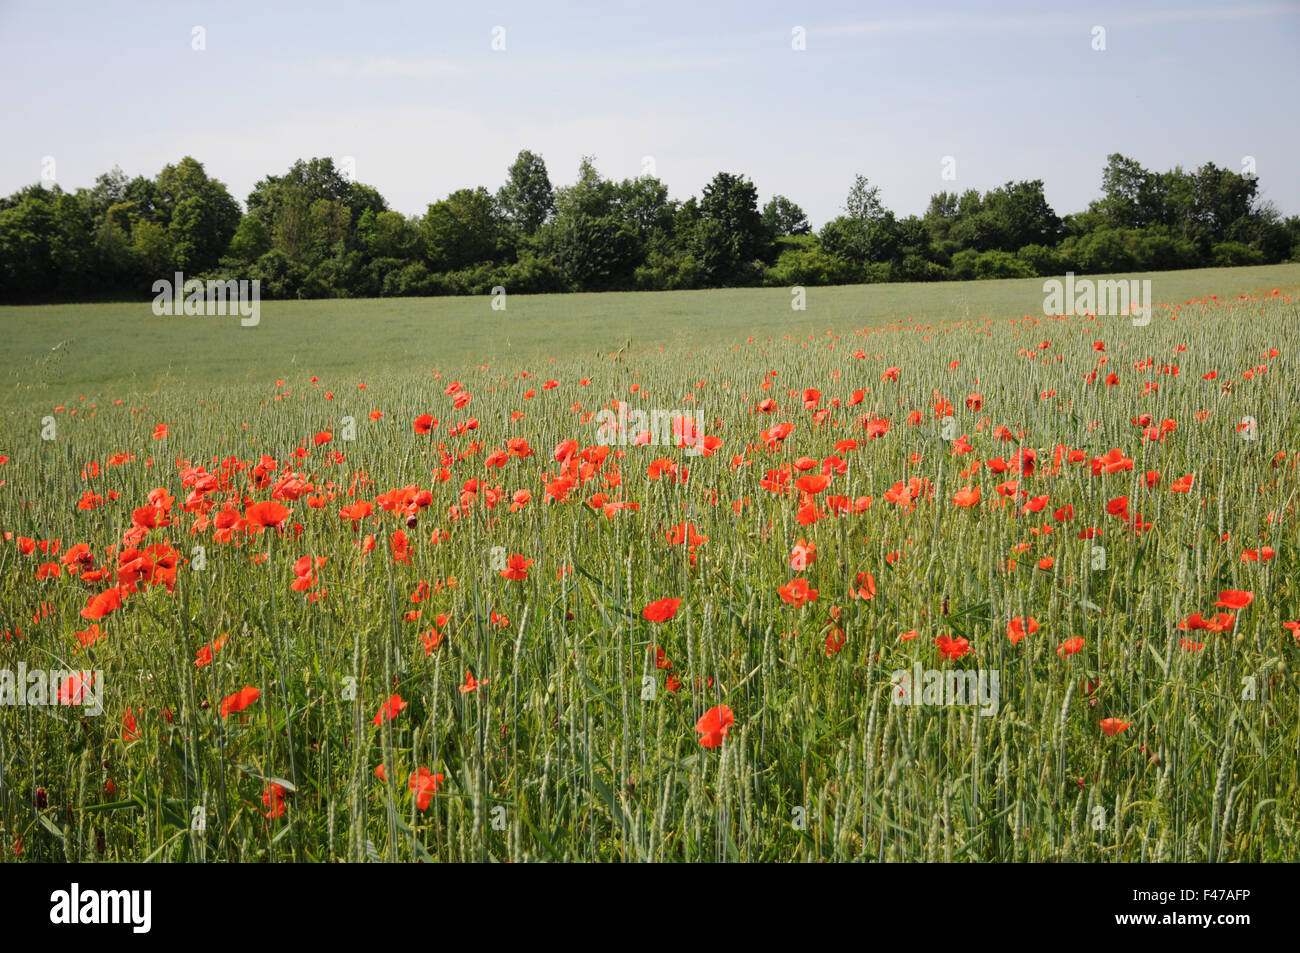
{"x": 388, "y": 710}
{"x": 864, "y": 586}
{"x": 1019, "y": 627}
{"x": 1113, "y": 726}
{"x": 803, "y": 555}
{"x": 713, "y": 725}
{"x": 269, "y": 513}
{"x": 129, "y": 732}
{"x": 813, "y": 483}
{"x": 1234, "y": 599}
{"x": 239, "y": 700}
{"x": 797, "y": 592}
{"x": 205, "y": 653}
{"x": 517, "y": 568}
{"x": 951, "y": 648}
{"x": 661, "y": 610}
{"x": 74, "y": 688}
{"x": 273, "y": 798}
{"x": 102, "y": 604}
{"x": 1070, "y": 647}
{"x": 425, "y": 786}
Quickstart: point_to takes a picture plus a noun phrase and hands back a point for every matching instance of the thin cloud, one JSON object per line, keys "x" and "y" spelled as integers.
{"x": 383, "y": 67}
{"x": 970, "y": 23}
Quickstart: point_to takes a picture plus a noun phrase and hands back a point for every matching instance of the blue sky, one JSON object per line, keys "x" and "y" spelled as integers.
{"x": 417, "y": 97}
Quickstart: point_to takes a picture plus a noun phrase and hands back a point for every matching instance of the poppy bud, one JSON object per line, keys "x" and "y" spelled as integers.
{"x": 205, "y": 704}
{"x": 42, "y": 799}
{"x": 411, "y": 521}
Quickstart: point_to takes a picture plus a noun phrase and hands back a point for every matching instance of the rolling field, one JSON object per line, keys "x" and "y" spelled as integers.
{"x": 917, "y": 573}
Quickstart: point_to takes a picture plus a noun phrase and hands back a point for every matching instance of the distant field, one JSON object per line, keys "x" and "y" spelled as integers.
{"x": 411, "y": 580}
{"x": 61, "y": 352}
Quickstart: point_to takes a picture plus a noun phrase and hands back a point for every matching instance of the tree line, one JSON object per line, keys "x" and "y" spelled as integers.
{"x": 314, "y": 233}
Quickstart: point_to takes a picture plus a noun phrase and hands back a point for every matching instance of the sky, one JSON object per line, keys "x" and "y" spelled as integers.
{"x": 415, "y": 99}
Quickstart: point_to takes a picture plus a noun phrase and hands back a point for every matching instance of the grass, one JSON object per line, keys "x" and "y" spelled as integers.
{"x": 56, "y": 353}
{"x": 575, "y": 746}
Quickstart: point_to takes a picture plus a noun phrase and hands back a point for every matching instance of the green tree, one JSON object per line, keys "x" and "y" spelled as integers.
{"x": 782, "y": 218}
{"x": 527, "y": 199}
{"x": 730, "y": 238}
{"x": 199, "y": 213}
{"x": 251, "y": 240}
{"x": 643, "y": 203}
{"x": 463, "y": 229}
{"x": 590, "y": 195}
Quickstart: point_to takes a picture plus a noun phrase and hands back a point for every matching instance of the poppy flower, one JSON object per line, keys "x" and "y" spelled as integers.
{"x": 425, "y": 423}
{"x": 517, "y": 568}
{"x": 400, "y": 546}
{"x": 1113, "y": 726}
{"x": 425, "y": 786}
{"x": 661, "y": 610}
{"x": 1070, "y": 647}
{"x": 864, "y": 586}
{"x": 1222, "y": 622}
{"x": 388, "y": 710}
{"x": 471, "y": 683}
{"x": 813, "y": 483}
{"x": 205, "y": 653}
{"x": 797, "y": 592}
{"x": 129, "y": 732}
{"x": 967, "y": 496}
{"x": 1234, "y": 599}
{"x": 356, "y": 511}
{"x": 835, "y": 640}
{"x": 239, "y": 700}
{"x": 74, "y": 687}
{"x": 1019, "y": 627}
{"x": 803, "y": 555}
{"x": 713, "y": 725}
{"x": 102, "y": 604}
{"x": 273, "y": 798}
{"x": 269, "y": 513}
{"x": 1262, "y": 554}
{"x": 951, "y": 648}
